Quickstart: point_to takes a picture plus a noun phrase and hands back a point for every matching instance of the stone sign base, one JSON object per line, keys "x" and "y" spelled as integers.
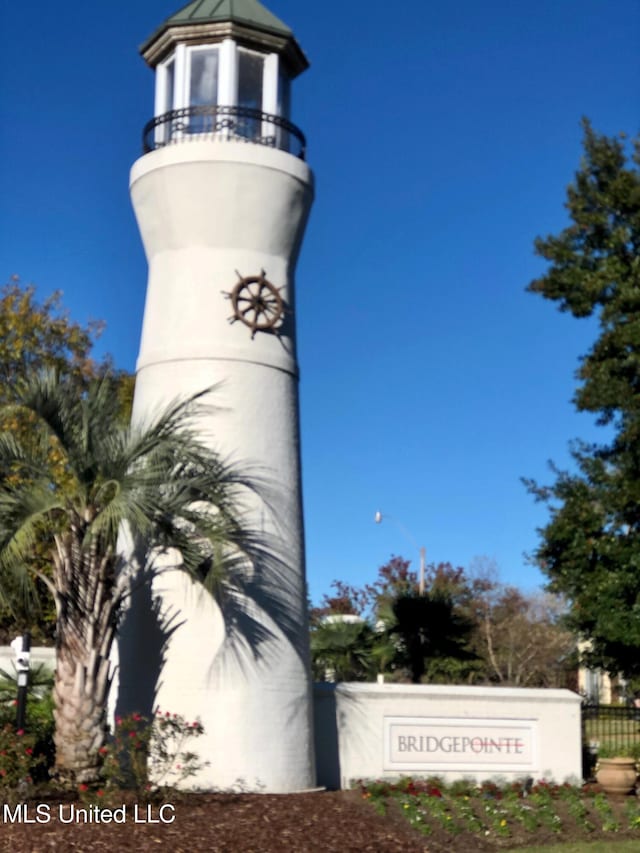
{"x": 371, "y": 731}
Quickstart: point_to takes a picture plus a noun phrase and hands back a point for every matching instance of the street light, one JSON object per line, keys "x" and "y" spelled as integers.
{"x": 378, "y": 517}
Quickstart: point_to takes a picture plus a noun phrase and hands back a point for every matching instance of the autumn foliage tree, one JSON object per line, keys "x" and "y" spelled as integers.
{"x": 37, "y": 335}
{"x": 430, "y": 631}
{"x": 392, "y": 628}
{"x": 467, "y": 628}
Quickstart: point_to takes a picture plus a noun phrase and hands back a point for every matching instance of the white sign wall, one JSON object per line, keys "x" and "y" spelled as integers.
{"x": 370, "y": 731}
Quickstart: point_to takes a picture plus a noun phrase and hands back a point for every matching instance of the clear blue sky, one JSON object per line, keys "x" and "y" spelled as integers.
{"x": 442, "y": 136}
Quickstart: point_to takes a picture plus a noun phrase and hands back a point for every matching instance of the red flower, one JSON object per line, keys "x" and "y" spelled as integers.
{"x": 20, "y": 732}
{"x": 29, "y": 751}
{"x": 99, "y": 793}
{"x": 82, "y": 787}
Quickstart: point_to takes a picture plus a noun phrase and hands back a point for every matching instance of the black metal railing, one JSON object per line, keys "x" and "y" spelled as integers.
{"x": 234, "y": 123}
{"x": 614, "y": 728}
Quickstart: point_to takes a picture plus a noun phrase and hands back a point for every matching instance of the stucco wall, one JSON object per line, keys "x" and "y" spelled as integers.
{"x": 212, "y": 214}
{"x": 366, "y": 731}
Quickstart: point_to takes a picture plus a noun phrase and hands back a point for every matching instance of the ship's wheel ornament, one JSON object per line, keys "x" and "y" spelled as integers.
{"x": 256, "y": 303}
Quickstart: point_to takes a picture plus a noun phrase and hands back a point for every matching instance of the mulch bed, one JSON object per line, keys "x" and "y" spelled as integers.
{"x": 329, "y": 822}
{"x": 233, "y": 823}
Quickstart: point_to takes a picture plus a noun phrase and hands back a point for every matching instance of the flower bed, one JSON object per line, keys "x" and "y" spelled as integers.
{"x": 504, "y": 815}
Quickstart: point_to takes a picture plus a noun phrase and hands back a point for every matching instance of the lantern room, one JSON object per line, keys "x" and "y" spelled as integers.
{"x": 224, "y": 70}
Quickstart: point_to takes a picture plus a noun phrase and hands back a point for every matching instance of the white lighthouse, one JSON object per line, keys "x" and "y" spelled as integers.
{"x": 221, "y": 195}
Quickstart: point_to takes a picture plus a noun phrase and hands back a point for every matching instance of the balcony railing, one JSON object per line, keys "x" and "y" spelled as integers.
{"x": 239, "y": 124}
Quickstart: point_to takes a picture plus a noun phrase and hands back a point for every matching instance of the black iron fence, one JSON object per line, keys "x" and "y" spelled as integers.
{"x": 609, "y": 730}
{"x": 240, "y": 124}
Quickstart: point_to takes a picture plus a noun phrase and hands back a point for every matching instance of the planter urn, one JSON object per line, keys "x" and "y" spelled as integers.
{"x": 617, "y": 775}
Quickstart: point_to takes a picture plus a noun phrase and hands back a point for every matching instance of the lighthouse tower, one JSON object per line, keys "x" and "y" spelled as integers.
{"x": 222, "y": 194}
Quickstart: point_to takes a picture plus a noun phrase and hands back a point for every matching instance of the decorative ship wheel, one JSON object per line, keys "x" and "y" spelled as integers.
{"x": 256, "y": 303}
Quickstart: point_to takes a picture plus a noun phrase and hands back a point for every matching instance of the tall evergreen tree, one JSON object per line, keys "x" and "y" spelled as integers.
{"x": 590, "y": 548}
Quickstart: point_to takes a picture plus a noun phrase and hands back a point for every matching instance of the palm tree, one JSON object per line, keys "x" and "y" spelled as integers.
{"x": 342, "y": 650}
{"x": 427, "y": 626}
{"x": 159, "y": 483}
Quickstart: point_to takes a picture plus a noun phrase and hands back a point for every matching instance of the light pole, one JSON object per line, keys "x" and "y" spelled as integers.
{"x": 22, "y": 649}
{"x": 378, "y": 519}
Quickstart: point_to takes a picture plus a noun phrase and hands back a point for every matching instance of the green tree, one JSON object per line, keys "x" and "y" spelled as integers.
{"x": 399, "y": 632}
{"x": 342, "y": 639}
{"x": 431, "y": 634}
{"x": 158, "y": 482}
{"x": 36, "y": 335}
{"x": 590, "y": 548}
{"x": 342, "y": 650}
{"x": 428, "y": 633}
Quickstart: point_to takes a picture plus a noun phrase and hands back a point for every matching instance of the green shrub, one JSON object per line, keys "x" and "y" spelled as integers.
{"x": 149, "y": 754}
{"x": 18, "y": 761}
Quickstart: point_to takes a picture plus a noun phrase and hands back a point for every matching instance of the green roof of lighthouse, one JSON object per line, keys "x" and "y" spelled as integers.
{"x": 242, "y": 11}
{"x": 246, "y": 21}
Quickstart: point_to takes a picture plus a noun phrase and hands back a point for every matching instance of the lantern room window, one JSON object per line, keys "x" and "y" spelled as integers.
{"x": 226, "y": 92}
{"x": 284, "y": 94}
{"x": 169, "y": 88}
{"x": 250, "y": 79}
{"x": 202, "y": 74}
{"x": 225, "y": 74}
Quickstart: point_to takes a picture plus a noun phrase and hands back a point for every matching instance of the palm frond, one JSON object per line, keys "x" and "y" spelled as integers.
{"x": 25, "y": 511}
{"x": 158, "y": 480}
